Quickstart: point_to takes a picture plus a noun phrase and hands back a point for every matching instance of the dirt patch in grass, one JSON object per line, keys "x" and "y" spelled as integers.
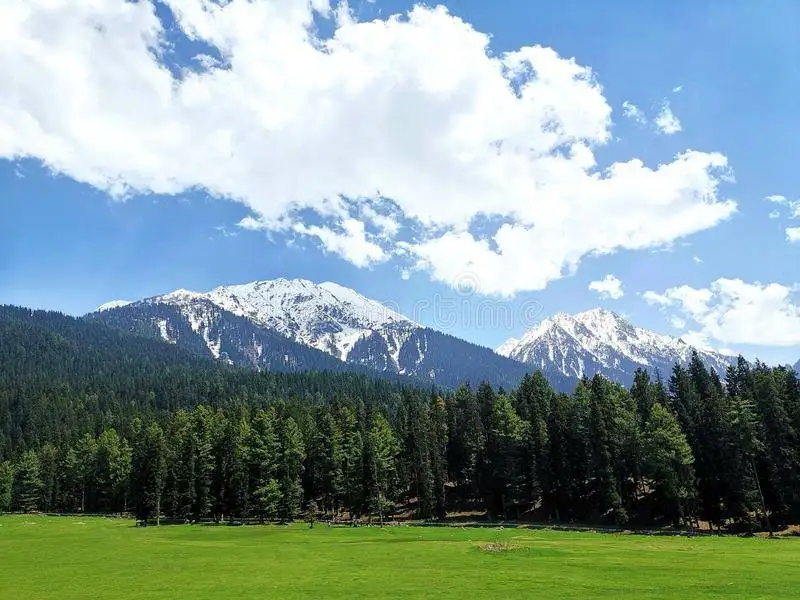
{"x": 498, "y": 547}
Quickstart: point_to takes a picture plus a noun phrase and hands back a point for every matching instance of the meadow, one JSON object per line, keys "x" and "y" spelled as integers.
{"x": 43, "y": 558}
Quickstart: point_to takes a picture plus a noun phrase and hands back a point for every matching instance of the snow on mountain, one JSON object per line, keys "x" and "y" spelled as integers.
{"x": 325, "y": 316}
{"x": 600, "y": 340}
{"x": 112, "y": 304}
{"x": 507, "y": 347}
{"x": 246, "y": 324}
{"x": 296, "y": 324}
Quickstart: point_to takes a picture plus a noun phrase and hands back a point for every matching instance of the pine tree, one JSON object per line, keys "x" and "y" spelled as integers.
{"x": 503, "y": 470}
{"x": 668, "y": 464}
{"x": 27, "y": 490}
{"x": 351, "y": 460}
{"x": 264, "y": 454}
{"x": 533, "y": 402}
{"x": 420, "y": 442}
{"x": 182, "y": 463}
{"x": 602, "y": 444}
{"x": 200, "y": 451}
{"x": 329, "y": 464}
{"x": 746, "y": 437}
{"x": 84, "y": 464}
{"x": 643, "y": 394}
{"x": 383, "y": 452}
{"x": 113, "y": 468}
{"x": 723, "y": 479}
{"x": 438, "y": 449}
{"x": 291, "y": 469}
{"x": 6, "y": 485}
{"x": 150, "y": 468}
{"x": 49, "y": 467}
{"x": 467, "y": 443}
{"x": 778, "y": 462}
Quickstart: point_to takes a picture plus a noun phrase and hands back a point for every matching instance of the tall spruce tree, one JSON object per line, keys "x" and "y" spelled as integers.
{"x": 290, "y": 469}
{"x": 27, "y": 485}
{"x": 150, "y": 468}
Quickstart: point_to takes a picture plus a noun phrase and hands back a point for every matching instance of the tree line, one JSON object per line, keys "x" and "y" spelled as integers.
{"x": 691, "y": 448}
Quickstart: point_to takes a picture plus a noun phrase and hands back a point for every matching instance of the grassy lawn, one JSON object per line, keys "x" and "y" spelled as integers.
{"x": 44, "y": 558}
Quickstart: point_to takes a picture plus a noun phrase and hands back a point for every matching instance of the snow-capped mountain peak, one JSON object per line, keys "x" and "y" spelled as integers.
{"x": 507, "y": 347}
{"x": 112, "y": 304}
{"x": 326, "y": 316}
{"x": 600, "y": 340}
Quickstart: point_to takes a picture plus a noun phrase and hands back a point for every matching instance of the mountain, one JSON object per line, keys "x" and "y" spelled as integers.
{"x": 601, "y": 341}
{"x": 112, "y": 304}
{"x": 206, "y": 330}
{"x": 271, "y": 324}
{"x": 324, "y": 316}
{"x": 62, "y": 376}
{"x": 797, "y": 367}
{"x": 295, "y": 324}
{"x": 68, "y": 349}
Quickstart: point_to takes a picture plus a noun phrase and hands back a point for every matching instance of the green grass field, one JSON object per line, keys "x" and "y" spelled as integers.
{"x": 60, "y": 558}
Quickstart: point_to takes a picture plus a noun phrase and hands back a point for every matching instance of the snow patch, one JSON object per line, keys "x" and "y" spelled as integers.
{"x": 112, "y": 304}
{"x": 325, "y": 316}
{"x": 162, "y": 330}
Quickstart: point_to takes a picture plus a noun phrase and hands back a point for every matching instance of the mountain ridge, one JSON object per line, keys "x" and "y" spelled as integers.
{"x": 601, "y": 340}
{"x": 246, "y": 324}
{"x": 337, "y": 323}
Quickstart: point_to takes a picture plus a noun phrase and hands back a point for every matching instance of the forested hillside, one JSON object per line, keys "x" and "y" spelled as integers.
{"x": 61, "y": 376}
{"x": 89, "y": 423}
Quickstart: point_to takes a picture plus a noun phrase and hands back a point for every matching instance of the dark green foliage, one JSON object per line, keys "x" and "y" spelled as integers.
{"x": 27, "y": 484}
{"x": 667, "y": 465}
{"x": 149, "y": 469}
{"x": 6, "y": 486}
{"x": 97, "y": 420}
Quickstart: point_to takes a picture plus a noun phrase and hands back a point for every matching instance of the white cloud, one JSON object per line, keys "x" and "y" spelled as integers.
{"x": 698, "y": 340}
{"x": 792, "y": 205}
{"x": 387, "y": 224}
{"x": 793, "y": 235}
{"x": 666, "y": 121}
{"x": 351, "y": 243}
{"x": 775, "y": 214}
{"x": 697, "y": 259}
{"x": 677, "y": 89}
{"x": 608, "y": 287}
{"x": 632, "y": 111}
{"x": 732, "y": 311}
{"x": 677, "y": 322}
{"x": 416, "y": 110}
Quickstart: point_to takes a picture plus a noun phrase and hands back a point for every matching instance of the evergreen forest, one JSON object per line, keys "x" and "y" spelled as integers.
{"x": 97, "y": 420}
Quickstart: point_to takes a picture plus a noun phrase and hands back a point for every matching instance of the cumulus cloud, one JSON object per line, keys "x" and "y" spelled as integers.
{"x": 677, "y": 89}
{"x": 793, "y": 235}
{"x": 732, "y": 311}
{"x": 414, "y": 116}
{"x": 677, "y": 322}
{"x": 608, "y": 287}
{"x": 350, "y": 243}
{"x": 632, "y": 111}
{"x": 792, "y": 206}
{"x": 666, "y": 121}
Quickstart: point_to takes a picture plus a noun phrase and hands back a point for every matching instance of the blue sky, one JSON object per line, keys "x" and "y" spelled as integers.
{"x": 106, "y": 200}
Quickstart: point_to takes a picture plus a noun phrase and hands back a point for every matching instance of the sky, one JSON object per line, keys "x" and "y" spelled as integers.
{"x": 477, "y": 165}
